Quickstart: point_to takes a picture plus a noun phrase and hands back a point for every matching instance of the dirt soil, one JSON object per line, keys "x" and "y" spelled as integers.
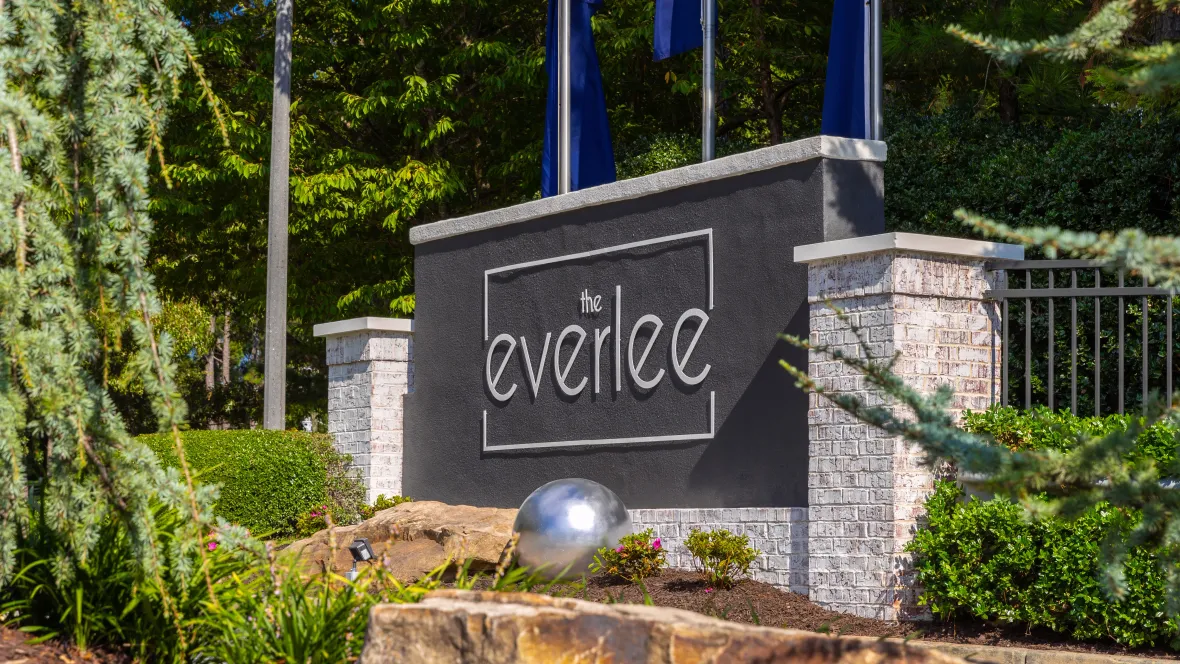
{"x": 15, "y": 650}
{"x": 776, "y": 608}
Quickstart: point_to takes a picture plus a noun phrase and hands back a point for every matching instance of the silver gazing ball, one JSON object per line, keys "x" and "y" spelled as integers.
{"x": 564, "y": 523}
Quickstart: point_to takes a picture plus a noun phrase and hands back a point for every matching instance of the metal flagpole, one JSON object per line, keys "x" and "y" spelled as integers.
{"x": 708, "y": 87}
{"x": 274, "y": 397}
{"x": 564, "y": 156}
{"x": 877, "y": 119}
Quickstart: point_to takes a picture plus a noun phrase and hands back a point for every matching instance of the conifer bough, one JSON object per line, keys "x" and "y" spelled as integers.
{"x": 83, "y": 105}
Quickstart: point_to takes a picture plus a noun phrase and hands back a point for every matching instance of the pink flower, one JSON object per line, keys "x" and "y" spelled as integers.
{"x": 708, "y": 590}
{"x": 212, "y": 546}
{"x": 620, "y": 549}
{"x": 656, "y": 544}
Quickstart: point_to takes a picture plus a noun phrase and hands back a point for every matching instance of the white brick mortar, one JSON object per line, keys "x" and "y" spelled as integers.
{"x": 369, "y": 374}
{"x": 865, "y": 489}
{"x": 780, "y": 533}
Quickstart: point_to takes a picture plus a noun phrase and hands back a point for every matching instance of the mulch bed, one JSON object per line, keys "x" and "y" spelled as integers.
{"x": 15, "y": 650}
{"x": 747, "y": 602}
{"x": 759, "y": 603}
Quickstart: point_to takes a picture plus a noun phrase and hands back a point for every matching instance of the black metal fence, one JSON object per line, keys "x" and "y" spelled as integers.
{"x": 1091, "y": 363}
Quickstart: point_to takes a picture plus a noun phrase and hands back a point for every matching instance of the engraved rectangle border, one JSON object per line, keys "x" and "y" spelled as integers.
{"x": 594, "y": 442}
{"x": 708, "y": 235}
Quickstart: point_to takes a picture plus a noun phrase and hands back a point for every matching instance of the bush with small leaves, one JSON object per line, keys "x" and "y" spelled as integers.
{"x": 1042, "y": 429}
{"x": 636, "y": 558}
{"x": 722, "y": 556}
{"x": 987, "y": 560}
{"x": 315, "y": 520}
{"x": 383, "y": 503}
{"x": 269, "y": 480}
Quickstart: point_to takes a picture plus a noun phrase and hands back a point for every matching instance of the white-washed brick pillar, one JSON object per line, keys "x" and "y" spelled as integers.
{"x": 921, "y": 297}
{"x": 370, "y": 370}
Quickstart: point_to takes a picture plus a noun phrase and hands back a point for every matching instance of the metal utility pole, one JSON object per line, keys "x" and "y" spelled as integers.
{"x": 876, "y": 78}
{"x": 274, "y": 394}
{"x": 708, "y": 87}
{"x": 565, "y": 176}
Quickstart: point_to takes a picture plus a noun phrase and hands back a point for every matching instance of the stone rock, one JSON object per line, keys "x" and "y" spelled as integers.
{"x": 473, "y": 627}
{"x": 415, "y": 538}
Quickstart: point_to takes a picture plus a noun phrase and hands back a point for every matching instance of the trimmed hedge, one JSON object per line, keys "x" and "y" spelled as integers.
{"x": 988, "y": 560}
{"x": 1043, "y": 429}
{"x": 268, "y": 479}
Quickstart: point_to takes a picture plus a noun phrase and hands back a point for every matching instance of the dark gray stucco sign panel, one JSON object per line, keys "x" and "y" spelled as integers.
{"x": 610, "y": 371}
{"x": 630, "y": 338}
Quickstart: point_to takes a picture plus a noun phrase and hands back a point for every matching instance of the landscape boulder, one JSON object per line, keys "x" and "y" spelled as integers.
{"x": 414, "y": 538}
{"x": 474, "y": 627}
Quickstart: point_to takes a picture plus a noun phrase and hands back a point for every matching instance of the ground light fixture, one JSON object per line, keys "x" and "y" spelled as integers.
{"x": 361, "y": 552}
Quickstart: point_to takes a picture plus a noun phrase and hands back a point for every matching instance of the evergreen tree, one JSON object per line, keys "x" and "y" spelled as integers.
{"x": 83, "y": 108}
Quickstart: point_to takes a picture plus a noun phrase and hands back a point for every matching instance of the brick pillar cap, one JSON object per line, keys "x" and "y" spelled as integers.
{"x": 366, "y": 324}
{"x": 931, "y": 244}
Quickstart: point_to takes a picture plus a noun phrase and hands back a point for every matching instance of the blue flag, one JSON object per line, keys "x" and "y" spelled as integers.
{"x": 593, "y": 160}
{"x": 678, "y": 27}
{"x": 846, "y": 93}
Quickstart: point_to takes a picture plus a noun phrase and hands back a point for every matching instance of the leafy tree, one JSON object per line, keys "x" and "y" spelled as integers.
{"x": 407, "y": 113}
{"x": 410, "y": 112}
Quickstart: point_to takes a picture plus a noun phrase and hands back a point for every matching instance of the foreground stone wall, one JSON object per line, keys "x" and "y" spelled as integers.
{"x": 866, "y": 489}
{"x": 780, "y": 533}
{"x": 456, "y": 626}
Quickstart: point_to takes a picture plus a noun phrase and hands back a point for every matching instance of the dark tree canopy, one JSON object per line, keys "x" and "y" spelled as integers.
{"x": 413, "y": 111}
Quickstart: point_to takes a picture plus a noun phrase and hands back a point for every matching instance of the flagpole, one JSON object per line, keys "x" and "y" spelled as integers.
{"x": 564, "y": 157}
{"x": 876, "y": 84}
{"x": 274, "y": 368}
{"x": 708, "y": 92}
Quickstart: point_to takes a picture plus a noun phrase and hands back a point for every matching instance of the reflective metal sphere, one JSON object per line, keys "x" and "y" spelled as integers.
{"x": 564, "y": 523}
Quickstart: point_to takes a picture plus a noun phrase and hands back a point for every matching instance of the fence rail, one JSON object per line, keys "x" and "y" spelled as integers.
{"x": 1042, "y": 285}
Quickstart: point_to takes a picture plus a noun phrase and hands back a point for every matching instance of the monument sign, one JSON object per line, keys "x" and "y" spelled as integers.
{"x": 629, "y": 333}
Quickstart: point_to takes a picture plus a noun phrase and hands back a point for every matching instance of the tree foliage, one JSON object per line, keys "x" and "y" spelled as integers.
{"x": 410, "y": 112}
{"x": 83, "y": 108}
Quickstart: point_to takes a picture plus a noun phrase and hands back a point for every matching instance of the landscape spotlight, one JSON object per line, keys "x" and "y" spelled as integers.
{"x": 361, "y": 551}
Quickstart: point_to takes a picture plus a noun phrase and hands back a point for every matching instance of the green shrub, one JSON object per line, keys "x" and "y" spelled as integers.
{"x": 383, "y": 503}
{"x": 315, "y": 520}
{"x": 277, "y": 614}
{"x": 1043, "y": 429}
{"x": 268, "y": 479}
{"x": 267, "y": 609}
{"x": 660, "y": 152}
{"x": 1119, "y": 171}
{"x": 988, "y": 560}
{"x": 106, "y": 600}
{"x": 637, "y": 557}
{"x": 722, "y": 556}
